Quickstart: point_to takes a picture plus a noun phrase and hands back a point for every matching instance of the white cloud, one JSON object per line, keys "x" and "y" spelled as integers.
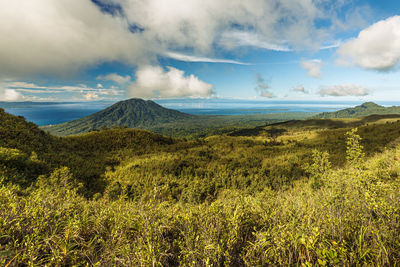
{"x": 115, "y": 78}
{"x": 10, "y": 95}
{"x": 300, "y": 88}
{"x": 344, "y": 90}
{"x": 313, "y": 67}
{"x": 67, "y": 35}
{"x": 268, "y": 95}
{"x": 234, "y": 39}
{"x": 154, "y": 81}
{"x": 34, "y": 89}
{"x": 336, "y": 44}
{"x": 192, "y": 58}
{"x": 281, "y": 25}
{"x": 196, "y": 23}
{"x": 376, "y": 47}
{"x": 60, "y": 37}
{"x": 91, "y": 96}
{"x": 262, "y": 87}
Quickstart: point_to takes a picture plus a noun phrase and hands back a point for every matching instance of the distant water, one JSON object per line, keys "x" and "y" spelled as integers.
{"x": 241, "y": 107}
{"x": 55, "y": 113}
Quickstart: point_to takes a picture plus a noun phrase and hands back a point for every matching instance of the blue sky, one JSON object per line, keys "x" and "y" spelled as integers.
{"x": 78, "y": 50}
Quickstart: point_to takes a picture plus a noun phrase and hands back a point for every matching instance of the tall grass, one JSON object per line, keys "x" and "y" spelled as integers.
{"x": 350, "y": 218}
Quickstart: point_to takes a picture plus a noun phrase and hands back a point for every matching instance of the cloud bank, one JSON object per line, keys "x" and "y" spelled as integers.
{"x": 63, "y": 36}
{"x": 197, "y": 23}
{"x": 344, "y": 90}
{"x": 119, "y": 79}
{"x": 59, "y": 37}
{"x": 155, "y": 82}
{"x": 375, "y": 48}
{"x": 13, "y": 91}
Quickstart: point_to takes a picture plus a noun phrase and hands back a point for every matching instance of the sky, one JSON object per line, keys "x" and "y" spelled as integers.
{"x": 86, "y": 50}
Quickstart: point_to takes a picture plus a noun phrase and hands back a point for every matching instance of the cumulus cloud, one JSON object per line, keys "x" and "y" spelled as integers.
{"x": 115, "y": 78}
{"x": 154, "y": 81}
{"x": 58, "y": 37}
{"x": 376, "y": 47}
{"x": 281, "y": 25}
{"x": 313, "y": 67}
{"x": 262, "y": 87}
{"x": 344, "y": 90}
{"x": 197, "y": 22}
{"x": 10, "y": 95}
{"x": 300, "y": 88}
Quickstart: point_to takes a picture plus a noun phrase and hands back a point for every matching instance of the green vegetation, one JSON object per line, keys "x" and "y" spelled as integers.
{"x": 365, "y": 109}
{"x": 132, "y": 113}
{"x": 141, "y": 114}
{"x": 314, "y": 192}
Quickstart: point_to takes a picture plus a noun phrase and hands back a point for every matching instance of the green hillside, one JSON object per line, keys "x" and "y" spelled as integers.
{"x": 302, "y": 192}
{"x": 88, "y": 155}
{"x": 132, "y": 113}
{"x": 141, "y": 114}
{"x": 365, "y": 109}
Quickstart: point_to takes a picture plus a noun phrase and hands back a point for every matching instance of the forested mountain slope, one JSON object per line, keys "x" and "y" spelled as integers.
{"x": 132, "y": 113}
{"x": 365, "y": 109}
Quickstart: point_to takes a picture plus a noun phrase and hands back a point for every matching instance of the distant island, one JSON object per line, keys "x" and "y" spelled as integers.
{"x": 365, "y": 109}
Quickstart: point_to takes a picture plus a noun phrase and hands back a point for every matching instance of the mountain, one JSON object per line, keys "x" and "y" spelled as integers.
{"x": 141, "y": 114}
{"x": 131, "y": 113}
{"x": 365, "y": 109}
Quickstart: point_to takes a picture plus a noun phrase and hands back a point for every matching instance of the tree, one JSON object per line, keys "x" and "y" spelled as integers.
{"x": 354, "y": 150}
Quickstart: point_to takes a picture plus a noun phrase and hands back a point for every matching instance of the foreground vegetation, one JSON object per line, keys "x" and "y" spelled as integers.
{"x": 312, "y": 193}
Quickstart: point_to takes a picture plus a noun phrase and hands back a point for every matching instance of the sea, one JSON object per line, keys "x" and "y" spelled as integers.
{"x": 49, "y": 113}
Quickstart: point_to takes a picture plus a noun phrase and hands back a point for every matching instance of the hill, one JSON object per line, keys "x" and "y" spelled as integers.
{"x": 88, "y": 156}
{"x": 365, "y": 109}
{"x": 131, "y": 113}
{"x": 141, "y": 114}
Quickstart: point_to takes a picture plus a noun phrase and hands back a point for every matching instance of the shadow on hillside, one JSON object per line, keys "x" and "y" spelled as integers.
{"x": 375, "y": 117}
